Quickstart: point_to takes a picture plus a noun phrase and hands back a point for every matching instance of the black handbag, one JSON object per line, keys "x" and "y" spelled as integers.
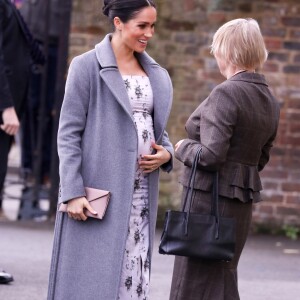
{"x": 197, "y": 235}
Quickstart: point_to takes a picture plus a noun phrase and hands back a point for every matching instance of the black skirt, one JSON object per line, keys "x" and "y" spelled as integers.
{"x": 198, "y": 279}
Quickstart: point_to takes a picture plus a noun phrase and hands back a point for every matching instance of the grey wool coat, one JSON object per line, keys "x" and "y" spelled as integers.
{"x": 97, "y": 146}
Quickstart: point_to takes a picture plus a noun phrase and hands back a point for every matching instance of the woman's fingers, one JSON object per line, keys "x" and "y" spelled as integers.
{"x": 89, "y": 208}
{"x": 82, "y": 217}
{"x": 76, "y": 208}
{"x": 150, "y": 164}
{"x": 178, "y": 144}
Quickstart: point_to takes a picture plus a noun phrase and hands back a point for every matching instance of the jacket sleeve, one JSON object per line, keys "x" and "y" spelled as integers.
{"x": 217, "y": 122}
{"x": 168, "y": 166}
{"x": 5, "y": 93}
{"x": 71, "y": 127}
{"x": 265, "y": 152}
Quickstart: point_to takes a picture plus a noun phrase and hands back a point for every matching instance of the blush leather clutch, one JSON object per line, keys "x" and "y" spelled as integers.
{"x": 98, "y": 200}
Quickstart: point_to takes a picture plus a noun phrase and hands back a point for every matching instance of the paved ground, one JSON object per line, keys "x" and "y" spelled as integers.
{"x": 269, "y": 268}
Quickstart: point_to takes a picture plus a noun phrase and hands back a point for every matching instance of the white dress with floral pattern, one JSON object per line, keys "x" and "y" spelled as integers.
{"x": 135, "y": 271}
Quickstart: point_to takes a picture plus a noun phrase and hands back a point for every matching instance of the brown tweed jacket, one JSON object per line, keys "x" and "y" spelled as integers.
{"x": 235, "y": 126}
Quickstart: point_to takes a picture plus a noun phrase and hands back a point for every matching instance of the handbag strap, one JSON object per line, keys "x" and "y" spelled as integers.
{"x": 215, "y": 202}
{"x": 190, "y": 191}
{"x": 190, "y": 187}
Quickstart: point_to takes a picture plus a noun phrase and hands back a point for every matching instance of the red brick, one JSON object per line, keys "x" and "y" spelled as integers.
{"x": 183, "y": 119}
{"x": 281, "y": 139}
{"x": 278, "y": 56}
{"x": 294, "y": 127}
{"x": 295, "y": 33}
{"x": 293, "y": 80}
{"x": 271, "y": 19}
{"x": 294, "y": 175}
{"x": 265, "y": 209}
{"x": 217, "y": 17}
{"x": 295, "y": 103}
{"x": 270, "y": 67}
{"x": 275, "y": 174}
{"x": 176, "y": 25}
{"x": 282, "y": 120}
{"x": 245, "y": 7}
{"x": 274, "y": 32}
{"x": 270, "y": 186}
{"x": 297, "y": 58}
{"x": 293, "y": 199}
{"x": 291, "y": 211}
{"x": 291, "y": 45}
{"x": 275, "y": 162}
{"x": 293, "y": 115}
{"x": 291, "y": 21}
{"x": 273, "y": 199}
{"x": 292, "y": 141}
{"x": 189, "y": 5}
{"x": 293, "y": 153}
{"x": 278, "y": 151}
{"x": 295, "y": 69}
{"x": 273, "y": 44}
{"x": 291, "y": 187}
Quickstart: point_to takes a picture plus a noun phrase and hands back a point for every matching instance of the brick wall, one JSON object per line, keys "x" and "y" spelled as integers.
{"x": 181, "y": 44}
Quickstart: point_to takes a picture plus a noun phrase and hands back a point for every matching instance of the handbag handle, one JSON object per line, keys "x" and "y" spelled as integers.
{"x": 188, "y": 195}
{"x": 190, "y": 189}
{"x": 190, "y": 192}
{"x": 215, "y": 202}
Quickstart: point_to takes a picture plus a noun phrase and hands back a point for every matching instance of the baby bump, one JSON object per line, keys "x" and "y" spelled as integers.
{"x": 144, "y": 125}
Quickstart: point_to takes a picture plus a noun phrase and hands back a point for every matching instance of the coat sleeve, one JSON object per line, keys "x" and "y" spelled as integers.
{"x": 217, "y": 122}
{"x": 6, "y": 99}
{"x": 71, "y": 127}
{"x": 168, "y": 166}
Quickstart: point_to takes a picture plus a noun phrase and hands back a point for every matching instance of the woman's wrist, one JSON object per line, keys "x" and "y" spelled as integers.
{"x": 167, "y": 156}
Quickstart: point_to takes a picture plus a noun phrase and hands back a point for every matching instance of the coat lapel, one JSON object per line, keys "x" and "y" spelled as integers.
{"x": 162, "y": 93}
{"x": 110, "y": 74}
{"x": 114, "y": 82}
{"x": 159, "y": 79}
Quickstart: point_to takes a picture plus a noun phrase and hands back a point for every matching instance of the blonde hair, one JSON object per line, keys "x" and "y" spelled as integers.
{"x": 241, "y": 43}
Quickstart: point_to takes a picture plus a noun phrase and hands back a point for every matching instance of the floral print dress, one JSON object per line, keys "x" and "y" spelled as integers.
{"x": 135, "y": 272}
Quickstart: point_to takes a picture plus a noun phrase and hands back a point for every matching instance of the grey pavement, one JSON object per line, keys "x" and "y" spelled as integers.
{"x": 269, "y": 268}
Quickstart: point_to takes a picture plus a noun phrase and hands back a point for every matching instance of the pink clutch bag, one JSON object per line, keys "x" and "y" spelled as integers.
{"x": 98, "y": 200}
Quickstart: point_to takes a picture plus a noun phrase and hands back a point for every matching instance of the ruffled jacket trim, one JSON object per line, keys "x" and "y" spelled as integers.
{"x": 236, "y": 181}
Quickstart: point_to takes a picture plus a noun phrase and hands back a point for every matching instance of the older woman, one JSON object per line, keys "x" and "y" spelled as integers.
{"x": 235, "y": 126}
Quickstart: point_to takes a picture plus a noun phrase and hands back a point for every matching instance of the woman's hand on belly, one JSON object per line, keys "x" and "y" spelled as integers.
{"x": 151, "y": 162}
{"x": 76, "y": 208}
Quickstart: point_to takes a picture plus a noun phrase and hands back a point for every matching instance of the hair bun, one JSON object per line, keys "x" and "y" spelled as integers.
{"x": 106, "y": 7}
{"x": 105, "y": 10}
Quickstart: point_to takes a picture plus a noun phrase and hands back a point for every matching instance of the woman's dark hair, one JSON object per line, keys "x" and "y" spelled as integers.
{"x": 124, "y": 9}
